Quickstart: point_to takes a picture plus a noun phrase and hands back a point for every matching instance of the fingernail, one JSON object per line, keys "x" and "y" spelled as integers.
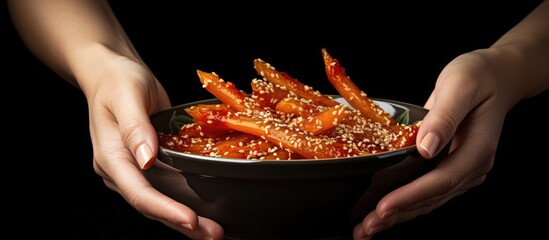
{"x": 430, "y": 143}
{"x": 207, "y": 238}
{"x": 144, "y": 156}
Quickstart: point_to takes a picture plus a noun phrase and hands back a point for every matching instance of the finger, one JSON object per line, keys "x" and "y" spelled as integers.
{"x": 448, "y": 107}
{"x": 462, "y": 169}
{"x": 424, "y": 207}
{"x": 451, "y": 175}
{"x": 207, "y": 229}
{"x": 132, "y": 111}
{"x": 374, "y": 222}
{"x": 127, "y": 179}
{"x": 430, "y": 204}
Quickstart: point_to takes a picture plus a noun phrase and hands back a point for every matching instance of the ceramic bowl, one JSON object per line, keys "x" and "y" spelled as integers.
{"x": 291, "y": 199}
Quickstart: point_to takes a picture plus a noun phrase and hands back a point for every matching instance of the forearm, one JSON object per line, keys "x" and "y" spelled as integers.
{"x": 520, "y": 58}
{"x": 69, "y": 35}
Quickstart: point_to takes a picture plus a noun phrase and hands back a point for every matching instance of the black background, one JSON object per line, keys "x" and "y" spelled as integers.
{"x": 390, "y": 50}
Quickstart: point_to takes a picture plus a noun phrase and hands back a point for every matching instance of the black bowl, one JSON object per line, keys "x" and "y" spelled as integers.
{"x": 290, "y": 199}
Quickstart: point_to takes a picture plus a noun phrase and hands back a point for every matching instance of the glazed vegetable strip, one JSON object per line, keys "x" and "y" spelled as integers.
{"x": 405, "y": 135}
{"x": 272, "y": 130}
{"x": 248, "y": 146}
{"x": 267, "y": 94}
{"x": 289, "y": 138}
{"x": 348, "y": 90}
{"x": 204, "y": 114}
{"x": 325, "y": 120}
{"x": 226, "y": 92}
{"x": 195, "y": 145}
{"x": 291, "y": 84}
{"x": 295, "y": 107}
{"x": 196, "y": 130}
{"x": 244, "y": 146}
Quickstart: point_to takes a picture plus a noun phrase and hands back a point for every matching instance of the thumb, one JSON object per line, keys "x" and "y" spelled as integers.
{"x": 448, "y": 105}
{"x": 136, "y": 130}
{"x": 140, "y": 137}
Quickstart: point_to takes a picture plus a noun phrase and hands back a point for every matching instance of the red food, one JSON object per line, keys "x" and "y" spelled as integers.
{"x": 284, "y": 119}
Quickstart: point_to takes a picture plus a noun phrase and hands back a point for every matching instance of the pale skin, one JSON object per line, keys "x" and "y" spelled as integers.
{"x": 84, "y": 43}
{"x": 472, "y": 95}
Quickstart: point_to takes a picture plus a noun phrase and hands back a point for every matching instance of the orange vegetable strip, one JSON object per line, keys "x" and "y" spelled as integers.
{"x": 197, "y": 130}
{"x": 295, "y": 107}
{"x": 248, "y": 146}
{"x": 184, "y": 144}
{"x": 259, "y": 149}
{"x": 324, "y": 120}
{"x": 372, "y": 137}
{"x": 405, "y": 135}
{"x": 233, "y": 146}
{"x": 307, "y": 146}
{"x": 204, "y": 113}
{"x": 236, "y": 141}
{"x": 348, "y": 90}
{"x": 283, "y": 79}
{"x": 226, "y": 92}
{"x": 282, "y": 154}
{"x": 279, "y": 154}
{"x": 267, "y": 94}
{"x": 283, "y": 136}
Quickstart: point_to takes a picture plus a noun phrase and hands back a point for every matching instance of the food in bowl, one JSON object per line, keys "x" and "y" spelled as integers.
{"x": 299, "y": 198}
{"x": 283, "y": 119}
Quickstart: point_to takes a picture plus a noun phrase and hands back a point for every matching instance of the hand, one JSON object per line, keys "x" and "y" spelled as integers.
{"x": 120, "y": 102}
{"x": 467, "y": 110}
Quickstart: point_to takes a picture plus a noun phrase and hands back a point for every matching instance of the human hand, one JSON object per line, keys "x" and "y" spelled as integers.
{"x": 120, "y": 102}
{"x": 467, "y": 111}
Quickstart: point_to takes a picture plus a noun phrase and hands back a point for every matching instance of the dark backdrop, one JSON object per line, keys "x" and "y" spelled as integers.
{"x": 390, "y": 50}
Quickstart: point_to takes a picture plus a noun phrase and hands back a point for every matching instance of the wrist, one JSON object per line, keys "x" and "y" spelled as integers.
{"x": 512, "y": 68}
{"x": 94, "y": 64}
